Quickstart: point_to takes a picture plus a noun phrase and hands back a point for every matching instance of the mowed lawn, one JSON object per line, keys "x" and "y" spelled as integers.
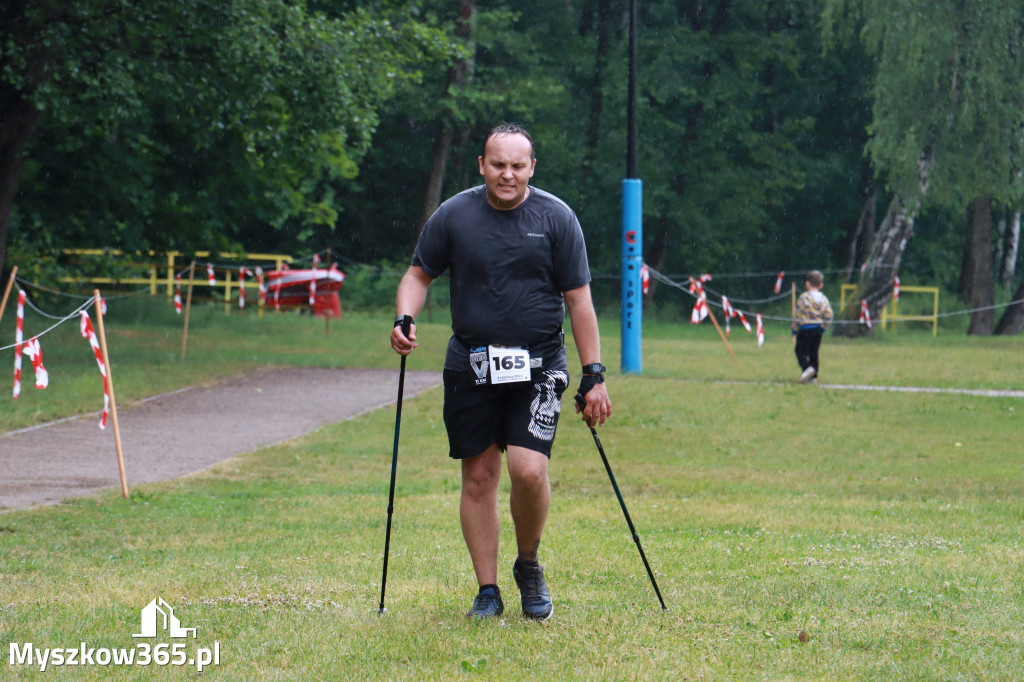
{"x": 796, "y": 532}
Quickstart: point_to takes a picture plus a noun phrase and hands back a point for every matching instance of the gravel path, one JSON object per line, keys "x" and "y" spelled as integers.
{"x": 179, "y": 433}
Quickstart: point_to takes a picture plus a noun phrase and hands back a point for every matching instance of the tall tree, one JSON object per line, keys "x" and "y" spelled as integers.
{"x": 460, "y": 74}
{"x": 948, "y": 88}
{"x": 178, "y": 123}
{"x": 976, "y": 276}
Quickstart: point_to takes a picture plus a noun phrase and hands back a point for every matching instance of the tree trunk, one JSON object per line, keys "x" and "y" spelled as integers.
{"x": 978, "y": 281}
{"x": 655, "y": 255}
{"x": 459, "y": 75}
{"x": 604, "y": 12}
{"x": 19, "y": 119}
{"x": 1012, "y": 321}
{"x": 998, "y": 246}
{"x": 435, "y": 183}
{"x": 883, "y": 265}
{"x": 1011, "y": 243}
{"x": 864, "y": 234}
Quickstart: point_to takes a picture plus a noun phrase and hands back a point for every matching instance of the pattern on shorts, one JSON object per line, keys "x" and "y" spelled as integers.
{"x": 546, "y": 405}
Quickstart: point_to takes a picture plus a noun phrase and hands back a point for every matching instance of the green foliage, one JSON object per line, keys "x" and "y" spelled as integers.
{"x": 190, "y": 124}
{"x": 947, "y": 86}
{"x": 372, "y": 286}
{"x": 750, "y": 140}
{"x": 293, "y": 126}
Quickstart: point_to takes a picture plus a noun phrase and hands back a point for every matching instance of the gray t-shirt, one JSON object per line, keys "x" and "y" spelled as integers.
{"x": 508, "y": 268}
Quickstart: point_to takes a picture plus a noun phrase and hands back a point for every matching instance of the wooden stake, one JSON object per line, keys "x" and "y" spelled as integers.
{"x": 7, "y": 291}
{"x": 188, "y": 307}
{"x": 110, "y": 387}
{"x": 711, "y": 314}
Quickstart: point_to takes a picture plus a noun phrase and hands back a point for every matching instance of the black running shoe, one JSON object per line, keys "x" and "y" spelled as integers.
{"x": 487, "y": 604}
{"x": 533, "y": 590}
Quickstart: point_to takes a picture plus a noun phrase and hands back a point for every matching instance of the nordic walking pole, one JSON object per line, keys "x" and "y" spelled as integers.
{"x": 7, "y": 291}
{"x": 406, "y": 321}
{"x": 636, "y": 538}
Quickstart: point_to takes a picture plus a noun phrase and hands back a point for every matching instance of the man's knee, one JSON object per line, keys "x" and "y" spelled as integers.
{"x": 480, "y": 474}
{"x": 527, "y": 468}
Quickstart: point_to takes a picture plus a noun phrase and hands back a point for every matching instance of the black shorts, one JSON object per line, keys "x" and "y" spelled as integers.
{"x": 524, "y": 414}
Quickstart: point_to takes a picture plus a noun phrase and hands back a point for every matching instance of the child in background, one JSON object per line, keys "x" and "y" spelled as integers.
{"x": 812, "y": 317}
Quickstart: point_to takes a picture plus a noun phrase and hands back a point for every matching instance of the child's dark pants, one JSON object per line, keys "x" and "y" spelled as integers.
{"x": 808, "y": 341}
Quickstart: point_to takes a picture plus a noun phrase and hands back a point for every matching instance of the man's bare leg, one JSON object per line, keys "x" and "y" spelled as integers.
{"x": 530, "y": 499}
{"x": 478, "y": 512}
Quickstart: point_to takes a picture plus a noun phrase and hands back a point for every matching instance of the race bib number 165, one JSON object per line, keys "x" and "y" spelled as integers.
{"x": 508, "y": 365}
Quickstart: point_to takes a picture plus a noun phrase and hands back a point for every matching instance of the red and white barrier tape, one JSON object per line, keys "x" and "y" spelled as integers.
{"x": 778, "y": 282}
{"x": 19, "y": 338}
{"x": 728, "y": 312}
{"x": 865, "y": 314}
{"x": 312, "y": 282}
{"x": 746, "y": 325}
{"x": 210, "y": 276}
{"x": 760, "y": 331}
{"x": 35, "y": 354}
{"x": 242, "y": 272}
{"x": 177, "y": 294}
{"x": 700, "y": 309}
{"x": 261, "y": 286}
{"x": 87, "y": 332}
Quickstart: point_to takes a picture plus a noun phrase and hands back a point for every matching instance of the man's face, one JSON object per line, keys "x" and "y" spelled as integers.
{"x": 507, "y": 166}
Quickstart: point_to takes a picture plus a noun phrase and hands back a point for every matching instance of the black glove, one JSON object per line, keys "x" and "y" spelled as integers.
{"x": 594, "y": 375}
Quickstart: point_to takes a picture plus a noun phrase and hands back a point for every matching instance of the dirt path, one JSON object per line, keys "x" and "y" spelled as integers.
{"x": 189, "y": 430}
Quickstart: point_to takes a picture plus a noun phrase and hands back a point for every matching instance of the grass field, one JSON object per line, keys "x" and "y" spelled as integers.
{"x": 796, "y": 532}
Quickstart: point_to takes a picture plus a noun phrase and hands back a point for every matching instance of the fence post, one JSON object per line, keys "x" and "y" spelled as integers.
{"x": 98, "y": 303}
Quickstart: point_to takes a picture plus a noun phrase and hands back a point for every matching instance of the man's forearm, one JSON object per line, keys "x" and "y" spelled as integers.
{"x": 584, "y": 325}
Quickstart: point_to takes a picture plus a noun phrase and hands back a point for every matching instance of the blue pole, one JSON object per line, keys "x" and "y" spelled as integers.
{"x": 632, "y": 259}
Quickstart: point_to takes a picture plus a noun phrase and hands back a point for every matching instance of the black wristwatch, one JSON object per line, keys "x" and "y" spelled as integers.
{"x": 404, "y": 321}
{"x": 595, "y": 369}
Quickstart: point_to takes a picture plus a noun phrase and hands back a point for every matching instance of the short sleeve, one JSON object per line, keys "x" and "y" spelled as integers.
{"x": 572, "y": 269}
{"x": 432, "y": 249}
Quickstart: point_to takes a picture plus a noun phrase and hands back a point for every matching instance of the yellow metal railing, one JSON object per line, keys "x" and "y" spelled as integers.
{"x": 891, "y": 313}
{"x": 174, "y": 264}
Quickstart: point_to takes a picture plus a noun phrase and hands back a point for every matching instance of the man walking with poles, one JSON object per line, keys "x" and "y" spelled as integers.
{"x": 517, "y": 260}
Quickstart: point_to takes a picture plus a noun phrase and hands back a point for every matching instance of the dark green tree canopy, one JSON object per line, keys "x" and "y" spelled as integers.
{"x": 187, "y": 124}
{"x": 295, "y": 125}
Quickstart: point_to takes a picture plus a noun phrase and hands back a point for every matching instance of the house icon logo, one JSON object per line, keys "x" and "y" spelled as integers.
{"x": 158, "y": 615}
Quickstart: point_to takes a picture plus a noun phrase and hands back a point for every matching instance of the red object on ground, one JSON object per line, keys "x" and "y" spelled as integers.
{"x": 291, "y": 288}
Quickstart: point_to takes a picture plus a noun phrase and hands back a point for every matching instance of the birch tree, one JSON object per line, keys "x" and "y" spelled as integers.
{"x": 947, "y": 117}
